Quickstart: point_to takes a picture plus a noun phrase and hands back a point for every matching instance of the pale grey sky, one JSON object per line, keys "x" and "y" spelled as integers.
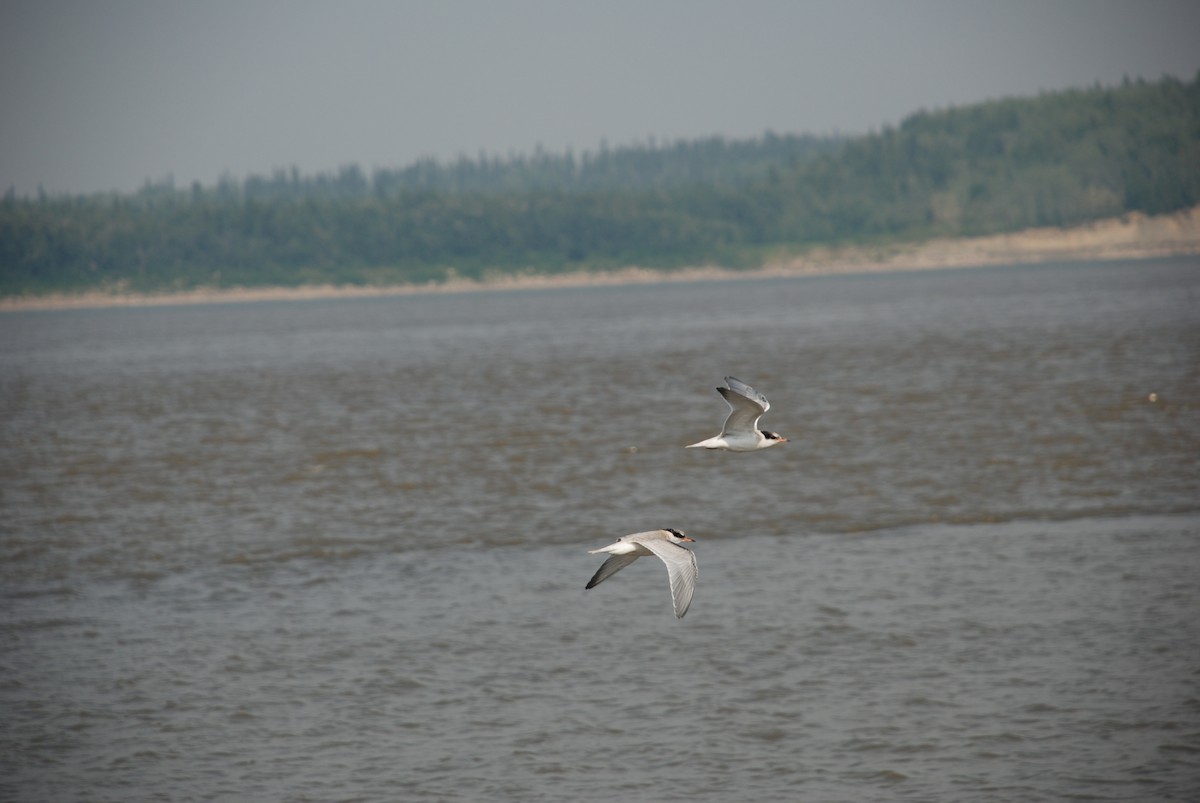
{"x": 99, "y": 95}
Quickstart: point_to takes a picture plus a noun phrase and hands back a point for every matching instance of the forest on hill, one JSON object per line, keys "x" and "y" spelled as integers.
{"x": 1058, "y": 159}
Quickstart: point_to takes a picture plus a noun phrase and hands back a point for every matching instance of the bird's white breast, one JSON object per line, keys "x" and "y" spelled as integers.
{"x": 743, "y": 441}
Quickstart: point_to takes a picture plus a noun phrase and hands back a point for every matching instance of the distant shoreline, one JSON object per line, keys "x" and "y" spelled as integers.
{"x": 1133, "y": 236}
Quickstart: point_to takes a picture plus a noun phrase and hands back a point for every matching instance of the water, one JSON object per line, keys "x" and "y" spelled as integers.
{"x": 336, "y": 550}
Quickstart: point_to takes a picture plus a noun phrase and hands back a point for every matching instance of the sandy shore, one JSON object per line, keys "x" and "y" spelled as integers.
{"x": 1134, "y": 236}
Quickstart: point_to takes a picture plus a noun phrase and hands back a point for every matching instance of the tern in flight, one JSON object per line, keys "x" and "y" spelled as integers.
{"x": 666, "y": 545}
{"x": 741, "y": 432}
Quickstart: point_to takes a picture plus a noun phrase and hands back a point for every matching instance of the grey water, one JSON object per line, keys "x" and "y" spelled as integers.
{"x": 336, "y": 550}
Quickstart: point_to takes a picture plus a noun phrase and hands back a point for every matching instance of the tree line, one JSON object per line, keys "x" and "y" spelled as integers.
{"x": 1057, "y": 159}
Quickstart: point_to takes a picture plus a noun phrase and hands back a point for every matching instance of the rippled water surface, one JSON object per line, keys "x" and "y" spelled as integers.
{"x": 336, "y": 550}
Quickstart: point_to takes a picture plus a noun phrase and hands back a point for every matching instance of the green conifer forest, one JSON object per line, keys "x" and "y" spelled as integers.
{"x": 1058, "y": 159}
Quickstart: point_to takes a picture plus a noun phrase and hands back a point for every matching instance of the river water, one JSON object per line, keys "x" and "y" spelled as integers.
{"x": 336, "y": 550}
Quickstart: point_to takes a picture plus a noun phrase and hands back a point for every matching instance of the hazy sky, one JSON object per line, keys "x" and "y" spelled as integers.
{"x": 99, "y": 95}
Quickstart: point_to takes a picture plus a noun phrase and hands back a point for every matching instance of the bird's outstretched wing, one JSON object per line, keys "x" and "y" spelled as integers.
{"x": 681, "y": 570}
{"x": 610, "y": 567}
{"x": 746, "y": 406}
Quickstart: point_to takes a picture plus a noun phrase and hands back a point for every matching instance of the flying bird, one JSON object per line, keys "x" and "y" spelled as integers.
{"x": 741, "y": 432}
{"x": 681, "y": 562}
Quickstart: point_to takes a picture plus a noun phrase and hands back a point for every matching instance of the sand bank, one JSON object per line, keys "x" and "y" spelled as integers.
{"x": 1133, "y": 236}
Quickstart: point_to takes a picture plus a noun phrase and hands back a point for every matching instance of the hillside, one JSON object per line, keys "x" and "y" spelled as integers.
{"x": 1133, "y": 236}
{"x": 1058, "y": 159}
